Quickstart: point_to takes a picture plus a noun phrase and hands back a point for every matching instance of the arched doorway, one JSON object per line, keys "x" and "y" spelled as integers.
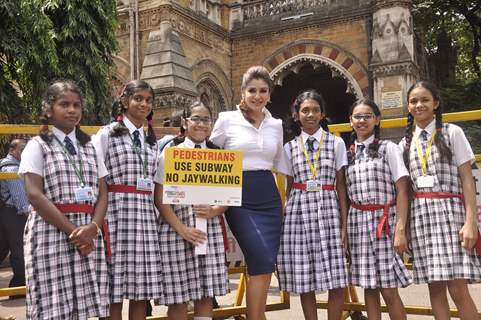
{"x": 303, "y": 75}
{"x": 210, "y": 95}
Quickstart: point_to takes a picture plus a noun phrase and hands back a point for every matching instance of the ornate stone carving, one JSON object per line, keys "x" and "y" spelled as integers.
{"x": 172, "y": 100}
{"x": 394, "y": 69}
{"x": 210, "y": 96}
{"x": 392, "y": 35}
{"x": 255, "y": 9}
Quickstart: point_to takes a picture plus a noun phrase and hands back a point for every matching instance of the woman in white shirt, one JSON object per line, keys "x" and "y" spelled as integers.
{"x": 257, "y": 223}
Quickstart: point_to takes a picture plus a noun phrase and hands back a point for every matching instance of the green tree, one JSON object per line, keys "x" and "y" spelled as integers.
{"x": 42, "y": 40}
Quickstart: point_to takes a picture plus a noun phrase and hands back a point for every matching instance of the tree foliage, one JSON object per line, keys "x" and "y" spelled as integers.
{"x": 42, "y": 40}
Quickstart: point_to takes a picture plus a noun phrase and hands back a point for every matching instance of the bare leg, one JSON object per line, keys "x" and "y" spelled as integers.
{"x": 439, "y": 300}
{"x": 177, "y": 311}
{"x": 308, "y": 302}
{"x": 137, "y": 310}
{"x": 394, "y": 303}
{"x": 256, "y": 295}
{"x": 458, "y": 290}
{"x": 373, "y": 304}
{"x": 116, "y": 311}
{"x": 203, "y": 307}
{"x": 335, "y": 304}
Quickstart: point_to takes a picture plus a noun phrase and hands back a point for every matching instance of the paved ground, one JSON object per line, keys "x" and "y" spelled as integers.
{"x": 413, "y": 295}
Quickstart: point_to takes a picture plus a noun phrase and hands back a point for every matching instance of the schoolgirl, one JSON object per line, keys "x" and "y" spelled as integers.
{"x": 188, "y": 276}
{"x": 65, "y": 260}
{"x": 443, "y": 211}
{"x": 311, "y": 256}
{"x": 130, "y": 158}
{"x": 377, "y": 184}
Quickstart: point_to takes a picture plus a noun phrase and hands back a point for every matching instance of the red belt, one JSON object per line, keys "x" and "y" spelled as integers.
{"x": 438, "y": 195}
{"x": 224, "y": 232}
{"x": 383, "y": 223}
{"x": 86, "y": 208}
{"x": 302, "y": 186}
{"x": 126, "y": 189}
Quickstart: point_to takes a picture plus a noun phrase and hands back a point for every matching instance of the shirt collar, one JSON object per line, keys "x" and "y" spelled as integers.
{"x": 132, "y": 128}
{"x": 317, "y": 135}
{"x": 429, "y": 129}
{"x": 191, "y": 144}
{"x": 267, "y": 113}
{"x": 366, "y": 142}
{"x": 61, "y": 136}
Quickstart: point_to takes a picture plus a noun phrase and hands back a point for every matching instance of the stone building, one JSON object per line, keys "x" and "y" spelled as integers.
{"x": 199, "y": 49}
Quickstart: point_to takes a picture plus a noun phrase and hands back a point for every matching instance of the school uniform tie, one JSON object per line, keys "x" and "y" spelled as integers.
{"x": 198, "y": 146}
{"x": 136, "y": 139}
{"x": 423, "y": 137}
{"x": 310, "y": 144}
{"x": 69, "y": 146}
{"x": 360, "y": 151}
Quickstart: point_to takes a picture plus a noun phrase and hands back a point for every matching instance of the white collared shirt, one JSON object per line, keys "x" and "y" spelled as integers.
{"x": 460, "y": 147}
{"x": 159, "y": 175}
{"x": 132, "y": 128}
{"x": 262, "y": 147}
{"x": 340, "y": 155}
{"x": 393, "y": 155}
{"x": 32, "y": 155}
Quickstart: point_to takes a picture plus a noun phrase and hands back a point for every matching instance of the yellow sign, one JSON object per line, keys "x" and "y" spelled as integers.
{"x": 202, "y": 176}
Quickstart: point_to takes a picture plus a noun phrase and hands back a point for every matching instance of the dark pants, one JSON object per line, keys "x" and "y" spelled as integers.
{"x": 11, "y": 239}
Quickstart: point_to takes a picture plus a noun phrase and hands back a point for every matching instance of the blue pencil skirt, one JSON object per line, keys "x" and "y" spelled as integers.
{"x": 256, "y": 225}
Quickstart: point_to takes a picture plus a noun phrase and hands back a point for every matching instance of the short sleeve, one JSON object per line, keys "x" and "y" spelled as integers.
{"x": 462, "y": 151}
{"x": 100, "y": 141}
{"x": 340, "y": 153}
{"x": 31, "y": 159}
{"x": 218, "y": 135}
{"x": 395, "y": 160}
{"x": 159, "y": 174}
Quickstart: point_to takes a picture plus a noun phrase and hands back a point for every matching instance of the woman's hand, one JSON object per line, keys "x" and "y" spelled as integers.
{"x": 86, "y": 249}
{"x": 192, "y": 235}
{"x": 468, "y": 234}
{"x": 204, "y": 211}
{"x": 83, "y": 235}
{"x": 400, "y": 241}
{"x": 344, "y": 239}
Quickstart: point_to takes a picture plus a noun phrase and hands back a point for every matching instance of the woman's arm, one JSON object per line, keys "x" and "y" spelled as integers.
{"x": 402, "y": 205}
{"x": 469, "y": 232}
{"x": 343, "y": 204}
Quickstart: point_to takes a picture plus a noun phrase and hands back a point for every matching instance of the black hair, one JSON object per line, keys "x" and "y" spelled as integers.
{"x": 439, "y": 139}
{"x": 373, "y": 149}
{"x": 118, "y": 110}
{"x": 55, "y": 90}
{"x": 293, "y": 124}
{"x": 185, "y": 114}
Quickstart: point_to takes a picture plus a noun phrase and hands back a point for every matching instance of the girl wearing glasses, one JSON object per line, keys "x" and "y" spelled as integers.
{"x": 130, "y": 157}
{"x": 187, "y": 276}
{"x": 377, "y": 184}
{"x": 257, "y": 223}
{"x": 443, "y": 210}
{"x": 311, "y": 256}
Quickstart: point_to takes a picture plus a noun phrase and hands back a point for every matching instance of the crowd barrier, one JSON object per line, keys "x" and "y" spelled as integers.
{"x": 352, "y": 306}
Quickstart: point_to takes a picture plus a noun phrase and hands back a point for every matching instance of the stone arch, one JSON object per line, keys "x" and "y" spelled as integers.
{"x": 341, "y": 62}
{"x": 211, "y": 81}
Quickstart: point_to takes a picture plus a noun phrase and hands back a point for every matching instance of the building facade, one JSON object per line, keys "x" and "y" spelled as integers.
{"x": 199, "y": 49}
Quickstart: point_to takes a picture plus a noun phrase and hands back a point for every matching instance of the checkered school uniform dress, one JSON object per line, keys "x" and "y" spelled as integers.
{"x": 188, "y": 277}
{"x": 61, "y": 284}
{"x": 310, "y": 255}
{"x": 135, "y": 265}
{"x": 435, "y": 223}
{"x": 374, "y": 263}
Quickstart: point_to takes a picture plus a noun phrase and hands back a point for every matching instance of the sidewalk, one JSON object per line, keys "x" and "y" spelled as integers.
{"x": 413, "y": 295}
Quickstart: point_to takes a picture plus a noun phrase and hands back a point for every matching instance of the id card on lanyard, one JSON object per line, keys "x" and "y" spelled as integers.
{"x": 313, "y": 184}
{"x": 425, "y": 181}
{"x": 82, "y": 193}
{"x": 143, "y": 183}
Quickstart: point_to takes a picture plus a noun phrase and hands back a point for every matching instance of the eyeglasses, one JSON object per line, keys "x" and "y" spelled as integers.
{"x": 366, "y": 116}
{"x": 198, "y": 120}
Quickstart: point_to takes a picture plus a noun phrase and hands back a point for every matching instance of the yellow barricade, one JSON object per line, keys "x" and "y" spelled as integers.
{"x": 352, "y": 306}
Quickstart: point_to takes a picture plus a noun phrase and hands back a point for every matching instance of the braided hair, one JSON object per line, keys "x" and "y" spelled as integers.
{"x": 186, "y": 114}
{"x": 439, "y": 139}
{"x": 55, "y": 91}
{"x": 119, "y": 109}
{"x": 373, "y": 149}
{"x": 293, "y": 124}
